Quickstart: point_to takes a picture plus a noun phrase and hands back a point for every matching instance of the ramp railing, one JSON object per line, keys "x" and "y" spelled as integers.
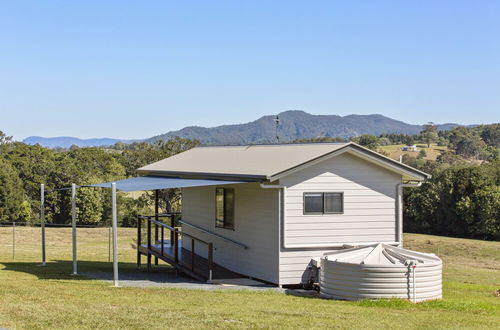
{"x": 185, "y": 260}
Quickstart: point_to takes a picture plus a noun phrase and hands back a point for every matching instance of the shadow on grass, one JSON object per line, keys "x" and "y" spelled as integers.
{"x": 129, "y": 275}
{"x": 62, "y": 270}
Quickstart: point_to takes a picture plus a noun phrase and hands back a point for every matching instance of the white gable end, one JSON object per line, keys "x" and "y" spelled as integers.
{"x": 369, "y": 210}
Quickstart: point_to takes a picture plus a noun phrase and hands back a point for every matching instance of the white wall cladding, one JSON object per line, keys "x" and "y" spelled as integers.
{"x": 369, "y": 211}
{"x": 256, "y": 225}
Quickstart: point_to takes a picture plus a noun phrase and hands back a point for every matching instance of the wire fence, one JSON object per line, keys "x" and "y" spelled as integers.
{"x": 12, "y": 238}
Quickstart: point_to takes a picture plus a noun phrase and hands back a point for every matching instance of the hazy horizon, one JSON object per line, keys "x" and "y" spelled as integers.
{"x": 175, "y": 129}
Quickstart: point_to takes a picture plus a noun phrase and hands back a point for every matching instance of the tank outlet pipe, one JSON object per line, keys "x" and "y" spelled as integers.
{"x": 399, "y": 209}
{"x": 412, "y": 264}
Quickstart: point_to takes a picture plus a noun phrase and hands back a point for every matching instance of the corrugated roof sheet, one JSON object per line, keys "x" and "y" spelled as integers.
{"x": 253, "y": 160}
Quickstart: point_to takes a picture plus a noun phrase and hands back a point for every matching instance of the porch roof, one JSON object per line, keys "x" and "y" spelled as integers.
{"x": 157, "y": 182}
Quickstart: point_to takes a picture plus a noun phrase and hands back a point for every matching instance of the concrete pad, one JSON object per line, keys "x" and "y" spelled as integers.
{"x": 237, "y": 282}
{"x": 169, "y": 279}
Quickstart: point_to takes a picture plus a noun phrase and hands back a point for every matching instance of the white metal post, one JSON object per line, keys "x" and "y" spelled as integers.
{"x": 42, "y": 220}
{"x": 13, "y": 240}
{"x": 73, "y": 226}
{"x": 115, "y": 234}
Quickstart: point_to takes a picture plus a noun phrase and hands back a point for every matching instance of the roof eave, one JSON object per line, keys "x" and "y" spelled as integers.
{"x": 205, "y": 175}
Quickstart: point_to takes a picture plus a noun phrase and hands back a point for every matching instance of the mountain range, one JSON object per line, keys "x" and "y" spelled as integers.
{"x": 294, "y": 124}
{"x": 68, "y": 141}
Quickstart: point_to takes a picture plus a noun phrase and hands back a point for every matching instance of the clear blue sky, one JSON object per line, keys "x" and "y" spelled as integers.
{"x": 133, "y": 69}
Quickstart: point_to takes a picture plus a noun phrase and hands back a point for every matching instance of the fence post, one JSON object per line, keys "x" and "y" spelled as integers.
{"x": 114, "y": 221}
{"x": 73, "y": 226}
{"x": 42, "y": 221}
{"x": 109, "y": 244}
{"x": 13, "y": 240}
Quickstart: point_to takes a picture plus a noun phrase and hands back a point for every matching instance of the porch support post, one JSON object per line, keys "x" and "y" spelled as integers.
{"x": 115, "y": 234}
{"x": 73, "y": 226}
{"x": 42, "y": 221}
{"x": 157, "y": 198}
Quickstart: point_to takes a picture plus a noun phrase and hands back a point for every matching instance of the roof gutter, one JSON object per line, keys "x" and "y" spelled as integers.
{"x": 206, "y": 176}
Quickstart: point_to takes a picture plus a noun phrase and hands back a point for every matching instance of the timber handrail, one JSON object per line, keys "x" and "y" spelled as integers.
{"x": 243, "y": 246}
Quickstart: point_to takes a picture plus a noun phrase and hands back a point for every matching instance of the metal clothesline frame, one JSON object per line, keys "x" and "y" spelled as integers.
{"x": 114, "y": 222}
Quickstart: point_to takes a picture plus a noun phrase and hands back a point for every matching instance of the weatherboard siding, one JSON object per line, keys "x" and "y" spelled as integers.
{"x": 256, "y": 225}
{"x": 369, "y": 211}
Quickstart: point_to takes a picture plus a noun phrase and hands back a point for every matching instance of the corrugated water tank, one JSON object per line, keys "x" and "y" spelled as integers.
{"x": 380, "y": 271}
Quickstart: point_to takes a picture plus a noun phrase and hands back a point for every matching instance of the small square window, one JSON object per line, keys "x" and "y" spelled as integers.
{"x": 323, "y": 202}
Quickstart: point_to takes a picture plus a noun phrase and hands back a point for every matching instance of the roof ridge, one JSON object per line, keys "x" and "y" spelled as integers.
{"x": 274, "y": 145}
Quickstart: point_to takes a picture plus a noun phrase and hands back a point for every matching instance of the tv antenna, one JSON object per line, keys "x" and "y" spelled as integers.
{"x": 277, "y": 122}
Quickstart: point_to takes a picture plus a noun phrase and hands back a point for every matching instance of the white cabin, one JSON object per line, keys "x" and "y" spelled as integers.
{"x": 294, "y": 203}
{"x": 412, "y": 148}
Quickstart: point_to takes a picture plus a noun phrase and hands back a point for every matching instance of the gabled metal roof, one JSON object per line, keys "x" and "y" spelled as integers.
{"x": 264, "y": 162}
{"x": 254, "y": 161}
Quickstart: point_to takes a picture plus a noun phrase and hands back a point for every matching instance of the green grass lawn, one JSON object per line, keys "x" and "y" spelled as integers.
{"x": 48, "y": 297}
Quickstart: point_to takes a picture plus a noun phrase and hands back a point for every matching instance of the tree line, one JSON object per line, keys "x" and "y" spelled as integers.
{"x": 462, "y": 198}
{"x": 24, "y": 167}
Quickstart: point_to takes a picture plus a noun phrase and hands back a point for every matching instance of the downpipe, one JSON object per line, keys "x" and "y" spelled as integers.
{"x": 399, "y": 209}
{"x": 281, "y": 210}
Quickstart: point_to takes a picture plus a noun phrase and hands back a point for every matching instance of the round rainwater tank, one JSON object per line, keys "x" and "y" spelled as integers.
{"x": 380, "y": 271}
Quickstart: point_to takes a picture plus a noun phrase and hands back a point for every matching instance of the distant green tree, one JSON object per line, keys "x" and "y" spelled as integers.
{"x": 90, "y": 207}
{"x": 4, "y": 139}
{"x": 465, "y": 143}
{"x": 429, "y": 134}
{"x": 369, "y": 141}
{"x": 11, "y": 193}
{"x": 140, "y": 154}
{"x": 422, "y": 154}
{"x": 460, "y": 200}
{"x": 384, "y": 141}
{"x": 490, "y": 134}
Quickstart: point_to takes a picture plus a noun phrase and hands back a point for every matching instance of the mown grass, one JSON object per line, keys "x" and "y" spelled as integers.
{"x": 49, "y": 297}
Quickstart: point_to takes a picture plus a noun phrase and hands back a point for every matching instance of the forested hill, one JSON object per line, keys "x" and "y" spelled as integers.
{"x": 294, "y": 125}
{"x": 68, "y": 141}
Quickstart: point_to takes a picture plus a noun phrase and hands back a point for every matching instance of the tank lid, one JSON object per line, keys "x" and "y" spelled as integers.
{"x": 381, "y": 254}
